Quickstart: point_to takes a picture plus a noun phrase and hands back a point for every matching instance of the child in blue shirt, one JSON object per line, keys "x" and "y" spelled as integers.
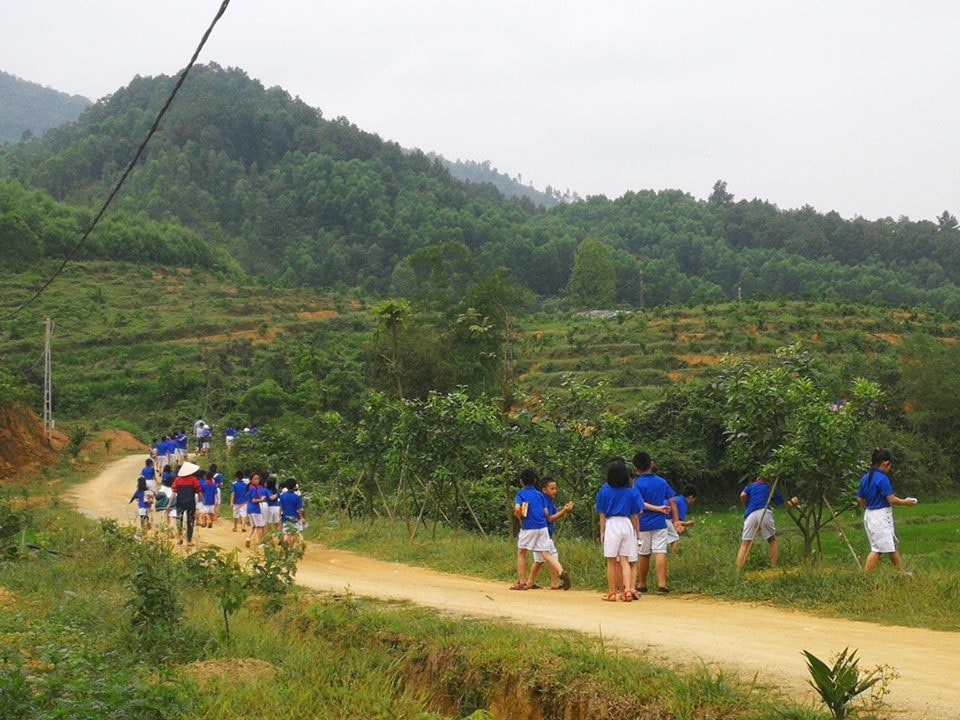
{"x": 758, "y": 517}
{"x": 875, "y": 495}
{"x": 619, "y": 508}
{"x": 238, "y": 492}
{"x": 549, "y": 489}
{"x": 530, "y": 509}
{"x": 683, "y": 502}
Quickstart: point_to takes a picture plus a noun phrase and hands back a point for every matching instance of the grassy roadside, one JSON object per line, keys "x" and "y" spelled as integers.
{"x": 833, "y": 587}
{"x": 69, "y": 648}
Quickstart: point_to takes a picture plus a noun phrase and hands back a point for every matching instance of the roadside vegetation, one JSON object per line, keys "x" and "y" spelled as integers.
{"x": 98, "y": 625}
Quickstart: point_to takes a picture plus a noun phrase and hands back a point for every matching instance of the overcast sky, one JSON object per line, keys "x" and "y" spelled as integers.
{"x": 846, "y": 106}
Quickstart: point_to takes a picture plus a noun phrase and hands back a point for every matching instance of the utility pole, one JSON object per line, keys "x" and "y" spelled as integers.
{"x": 47, "y": 382}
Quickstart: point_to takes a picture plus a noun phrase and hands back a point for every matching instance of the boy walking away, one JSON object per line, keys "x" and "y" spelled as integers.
{"x": 238, "y": 492}
{"x": 758, "y": 517}
{"x": 186, "y": 488}
{"x": 549, "y": 489}
{"x": 876, "y": 496}
{"x": 656, "y": 497}
{"x": 683, "y": 503}
{"x": 218, "y": 481}
{"x": 291, "y": 513}
{"x": 530, "y": 509}
{"x": 618, "y": 506}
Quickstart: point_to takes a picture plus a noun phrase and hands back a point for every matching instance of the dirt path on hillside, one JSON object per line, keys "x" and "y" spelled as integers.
{"x": 744, "y": 637}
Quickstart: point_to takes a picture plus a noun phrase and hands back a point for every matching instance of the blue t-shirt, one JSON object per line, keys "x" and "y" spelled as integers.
{"x": 875, "y": 491}
{"x": 617, "y": 502}
{"x": 682, "y": 506}
{"x": 209, "y": 489}
{"x": 182, "y": 441}
{"x": 535, "y": 519}
{"x": 239, "y": 492}
{"x": 254, "y": 492}
{"x": 551, "y": 510}
{"x": 148, "y": 473}
{"x": 290, "y": 503}
{"x": 654, "y": 490}
{"x": 757, "y": 493}
{"x": 218, "y": 480}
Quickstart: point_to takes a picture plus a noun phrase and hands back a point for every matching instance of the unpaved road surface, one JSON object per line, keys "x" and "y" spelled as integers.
{"x": 746, "y": 638}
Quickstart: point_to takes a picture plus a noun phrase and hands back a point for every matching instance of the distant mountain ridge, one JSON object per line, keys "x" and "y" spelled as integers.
{"x": 26, "y": 107}
{"x": 247, "y": 177}
{"x": 483, "y": 172}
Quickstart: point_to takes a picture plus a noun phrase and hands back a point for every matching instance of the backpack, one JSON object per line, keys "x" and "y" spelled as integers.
{"x": 162, "y": 500}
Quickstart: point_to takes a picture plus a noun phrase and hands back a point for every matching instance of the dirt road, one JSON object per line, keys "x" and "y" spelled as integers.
{"x": 742, "y": 637}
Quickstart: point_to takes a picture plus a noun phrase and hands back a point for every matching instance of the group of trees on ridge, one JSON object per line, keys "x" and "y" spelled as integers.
{"x": 265, "y": 183}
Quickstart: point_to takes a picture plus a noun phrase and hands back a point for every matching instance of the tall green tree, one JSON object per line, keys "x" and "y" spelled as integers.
{"x": 594, "y": 279}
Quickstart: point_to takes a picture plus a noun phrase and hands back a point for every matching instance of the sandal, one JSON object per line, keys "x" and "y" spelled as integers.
{"x": 556, "y": 587}
{"x": 609, "y": 597}
{"x": 534, "y": 587}
{"x": 627, "y": 597}
{"x": 565, "y": 580}
{"x": 518, "y": 586}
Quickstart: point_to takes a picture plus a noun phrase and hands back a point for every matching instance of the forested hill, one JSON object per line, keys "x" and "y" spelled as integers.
{"x": 265, "y": 181}
{"x": 26, "y": 107}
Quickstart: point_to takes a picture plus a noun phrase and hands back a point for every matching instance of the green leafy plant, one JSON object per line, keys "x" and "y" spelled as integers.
{"x": 273, "y": 572}
{"x": 840, "y": 684}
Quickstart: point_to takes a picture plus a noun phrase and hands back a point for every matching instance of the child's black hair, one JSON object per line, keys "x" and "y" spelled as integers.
{"x": 690, "y": 491}
{"x": 528, "y": 477}
{"x": 642, "y": 461}
{"x": 618, "y": 474}
{"x": 290, "y": 484}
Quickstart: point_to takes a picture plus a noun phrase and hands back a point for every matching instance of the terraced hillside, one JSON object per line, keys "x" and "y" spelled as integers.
{"x": 138, "y": 344}
{"x": 637, "y": 353}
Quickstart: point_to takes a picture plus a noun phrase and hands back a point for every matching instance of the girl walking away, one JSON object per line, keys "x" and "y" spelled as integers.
{"x": 271, "y": 509}
{"x": 256, "y": 496}
{"x": 876, "y": 496}
{"x": 144, "y": 498}
{"x": 619, "y": 508}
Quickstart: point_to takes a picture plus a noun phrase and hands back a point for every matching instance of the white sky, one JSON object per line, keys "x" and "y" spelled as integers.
{"x": 846, "y": 106}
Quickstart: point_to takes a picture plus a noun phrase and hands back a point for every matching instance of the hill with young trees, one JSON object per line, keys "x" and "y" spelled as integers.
{"x": 272, "y": 187}
{"x": 28, "y": 109}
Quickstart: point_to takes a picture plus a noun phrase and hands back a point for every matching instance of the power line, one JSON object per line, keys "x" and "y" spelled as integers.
{"x": 133, "y": 162}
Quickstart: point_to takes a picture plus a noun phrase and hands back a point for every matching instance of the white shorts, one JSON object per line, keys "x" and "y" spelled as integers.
{"x": 672, "y": 534}
{"x": 619, "y": 538}
{"x": 761, "y": 519}
{"x": 205, "y": 509}
{"x": 295, "y": 527}
{"x": 652, "y": 542}
{"x": 239, "y": 511}
{"x": 271, "y": 514}
{"x": 879, "y": 526}
{"x": 256, "y": 519}
{"x": 538, "y": 555}
{"x": 537, "y": 540}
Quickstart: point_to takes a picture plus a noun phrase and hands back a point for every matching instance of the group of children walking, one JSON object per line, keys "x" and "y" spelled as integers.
{"x": 180, "y": 495}
{"x": 641, "y": 517}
